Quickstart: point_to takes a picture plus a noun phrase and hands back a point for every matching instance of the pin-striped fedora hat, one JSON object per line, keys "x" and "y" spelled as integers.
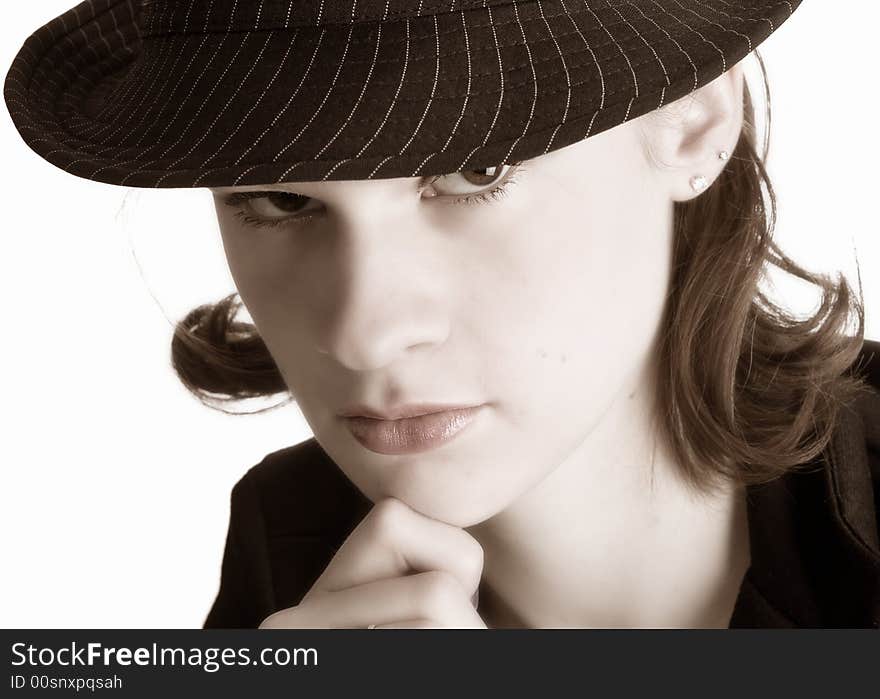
{"x": 189, "y": 93}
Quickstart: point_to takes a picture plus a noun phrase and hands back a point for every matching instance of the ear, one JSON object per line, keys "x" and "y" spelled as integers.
{"x": 684, "y": 139}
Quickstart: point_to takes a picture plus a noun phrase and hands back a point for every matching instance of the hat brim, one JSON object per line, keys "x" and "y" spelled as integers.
{"x": 97, "y": 96}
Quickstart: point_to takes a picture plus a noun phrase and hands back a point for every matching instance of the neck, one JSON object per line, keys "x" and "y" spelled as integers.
{"x": 614, "y": 538}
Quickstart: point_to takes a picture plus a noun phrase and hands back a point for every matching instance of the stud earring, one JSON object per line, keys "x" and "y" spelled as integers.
{"x": 724, "y": 155}
{"x": 699, "y": 183}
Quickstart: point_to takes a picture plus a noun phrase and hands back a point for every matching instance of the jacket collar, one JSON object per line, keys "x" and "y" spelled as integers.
{"x": 813, "y": 535}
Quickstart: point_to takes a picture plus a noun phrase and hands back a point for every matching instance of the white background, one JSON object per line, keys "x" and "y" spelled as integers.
{"x": 115, "y": 482}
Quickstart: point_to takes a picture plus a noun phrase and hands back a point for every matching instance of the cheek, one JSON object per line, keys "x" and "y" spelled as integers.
{"x": 255, "y": 260}
{"x": 576, "y": 301}
{"x": 264, "y": 270}
{"x": 243, "y": 259}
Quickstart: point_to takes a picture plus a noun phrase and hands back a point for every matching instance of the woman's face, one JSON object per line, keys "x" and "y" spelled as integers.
{"x": 539, "y": 305}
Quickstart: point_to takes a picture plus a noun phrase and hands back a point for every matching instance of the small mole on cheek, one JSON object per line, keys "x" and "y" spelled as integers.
{"x": 564, "y": 358}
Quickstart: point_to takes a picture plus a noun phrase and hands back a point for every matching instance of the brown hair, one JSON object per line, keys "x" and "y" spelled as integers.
{"x": 746, "y": 391}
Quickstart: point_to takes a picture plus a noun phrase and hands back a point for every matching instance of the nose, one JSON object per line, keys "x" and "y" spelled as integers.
{"x": 384, "y": 294}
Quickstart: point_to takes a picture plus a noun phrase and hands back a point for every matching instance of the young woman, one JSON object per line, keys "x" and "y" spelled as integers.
{"x": 506, "y": 257}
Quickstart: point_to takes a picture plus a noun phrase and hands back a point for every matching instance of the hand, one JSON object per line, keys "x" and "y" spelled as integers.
{"x": 370, "y": 580}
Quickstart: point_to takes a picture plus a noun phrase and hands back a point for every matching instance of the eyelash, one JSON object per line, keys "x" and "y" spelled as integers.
{"x": 237, "y": 201}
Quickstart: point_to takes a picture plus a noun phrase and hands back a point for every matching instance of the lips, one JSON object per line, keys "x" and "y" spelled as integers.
{"x": 411, "y": 435}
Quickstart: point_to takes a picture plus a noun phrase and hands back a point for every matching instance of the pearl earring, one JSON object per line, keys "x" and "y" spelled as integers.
{"x": 724, "y": 155}
{"x": 699, "y": 183}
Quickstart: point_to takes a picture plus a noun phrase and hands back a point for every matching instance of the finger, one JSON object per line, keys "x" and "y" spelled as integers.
{"x": 436, "y": 596}
{"x": 394, "y": 540}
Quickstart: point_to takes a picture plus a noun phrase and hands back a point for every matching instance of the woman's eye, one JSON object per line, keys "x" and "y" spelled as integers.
{"x": 470, "y": 182}
{"x": 272, "y": 205}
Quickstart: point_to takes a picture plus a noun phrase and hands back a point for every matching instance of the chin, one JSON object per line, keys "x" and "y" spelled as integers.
{"x": 461, "y": 500}
{"x": 461, "y": 484}
{"x": 456, "y": 514}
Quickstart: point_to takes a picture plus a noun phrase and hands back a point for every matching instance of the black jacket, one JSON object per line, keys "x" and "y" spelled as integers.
{"x": 814, "y": 539}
